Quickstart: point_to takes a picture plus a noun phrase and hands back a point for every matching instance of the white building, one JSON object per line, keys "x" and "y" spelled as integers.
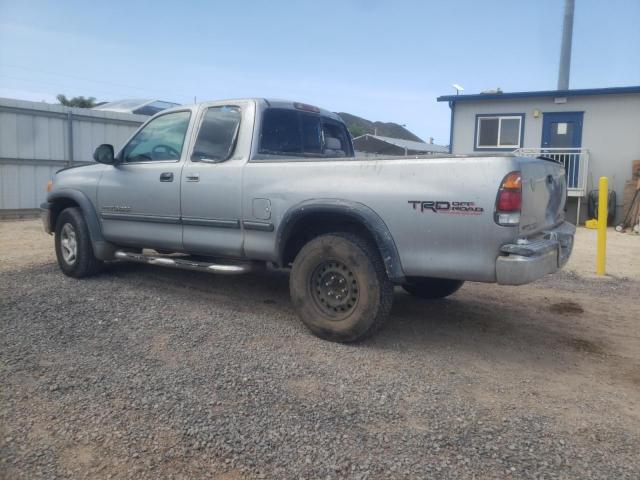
{"x": 594, "y": 132}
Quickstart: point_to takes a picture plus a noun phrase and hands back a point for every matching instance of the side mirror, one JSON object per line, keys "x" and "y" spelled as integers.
{"x": 104, "y": 154}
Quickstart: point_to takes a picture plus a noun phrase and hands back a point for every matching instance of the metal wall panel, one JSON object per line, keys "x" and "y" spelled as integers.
{"x": 9, "y": 186}
{"x": 34, "y": 144}
{"x": 8, "y": 135}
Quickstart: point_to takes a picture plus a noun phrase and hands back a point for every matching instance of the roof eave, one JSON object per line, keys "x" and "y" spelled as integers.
{"x": 541, "y": 93}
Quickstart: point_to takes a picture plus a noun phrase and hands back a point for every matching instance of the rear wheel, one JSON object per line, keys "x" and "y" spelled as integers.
{"x": 73, "y": 245}
{"x": 340, "y": 288}
{"x": 432, "y": 288}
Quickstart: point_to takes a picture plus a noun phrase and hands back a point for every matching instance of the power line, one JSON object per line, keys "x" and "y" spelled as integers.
{"x": 148, "y": 91}
{"x": 53, "y": 85}
{"x": 36, "y": 70}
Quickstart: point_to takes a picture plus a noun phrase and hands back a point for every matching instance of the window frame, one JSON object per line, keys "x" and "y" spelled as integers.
{"x": 198, "y": 127}
{"x": 500, "y": 117}
{"x": 121, "y": 159}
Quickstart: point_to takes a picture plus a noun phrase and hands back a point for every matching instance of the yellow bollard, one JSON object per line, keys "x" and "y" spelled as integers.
{"x": 603, "y": 212}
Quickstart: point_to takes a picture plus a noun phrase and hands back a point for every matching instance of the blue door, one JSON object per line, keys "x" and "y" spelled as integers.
{"x": 562, "y": 135}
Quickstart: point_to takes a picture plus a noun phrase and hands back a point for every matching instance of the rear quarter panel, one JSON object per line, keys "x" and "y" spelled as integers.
{"x": 445, "y": 244}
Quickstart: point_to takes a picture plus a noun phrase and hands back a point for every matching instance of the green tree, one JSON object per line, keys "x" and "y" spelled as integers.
{"x": 356, "y": 130}
{"x": 79, "y": 102}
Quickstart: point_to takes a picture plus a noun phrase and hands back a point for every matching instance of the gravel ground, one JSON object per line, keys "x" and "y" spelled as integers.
{"x": 144, "y": 372}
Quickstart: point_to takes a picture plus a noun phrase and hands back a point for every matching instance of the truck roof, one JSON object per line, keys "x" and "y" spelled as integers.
{"x": 269, "y": 103}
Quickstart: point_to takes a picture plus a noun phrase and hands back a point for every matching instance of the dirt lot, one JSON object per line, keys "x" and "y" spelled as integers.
{"x": 150, "y": 373}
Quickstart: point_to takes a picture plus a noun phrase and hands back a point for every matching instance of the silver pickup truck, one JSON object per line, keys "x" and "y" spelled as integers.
{"x": 231, "y": 186}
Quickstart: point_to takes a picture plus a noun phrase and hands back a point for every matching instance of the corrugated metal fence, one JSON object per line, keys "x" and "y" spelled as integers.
{"x": 37, "y": 139}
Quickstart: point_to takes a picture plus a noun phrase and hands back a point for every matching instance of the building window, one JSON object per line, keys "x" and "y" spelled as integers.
{"x": 502, "y": 132}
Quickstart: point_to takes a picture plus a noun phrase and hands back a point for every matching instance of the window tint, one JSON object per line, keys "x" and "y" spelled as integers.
{"x": 294, "y": 133}
{"x": 311, "y": 134}
{"x": 160, "y": 139}
{"x": 217, "y": 135}
{"x": 280, "y": 132}
{"x": 336, "y": 139}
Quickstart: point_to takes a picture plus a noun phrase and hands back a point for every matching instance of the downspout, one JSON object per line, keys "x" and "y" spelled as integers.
{"x": 452, "y": 106}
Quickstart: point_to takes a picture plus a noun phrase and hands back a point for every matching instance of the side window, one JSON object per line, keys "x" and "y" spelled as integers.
{"x": 160, "y": 139}
{"x": 336, "y": 139}
{"x": 217, "y": 136}
{"x": 280, "y": 132}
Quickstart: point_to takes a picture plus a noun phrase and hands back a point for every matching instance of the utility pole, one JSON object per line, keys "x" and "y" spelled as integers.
{"x": 565, "y": 49}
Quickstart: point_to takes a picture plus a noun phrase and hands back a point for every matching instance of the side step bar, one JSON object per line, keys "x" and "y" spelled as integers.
{"x": 184, "y": 263}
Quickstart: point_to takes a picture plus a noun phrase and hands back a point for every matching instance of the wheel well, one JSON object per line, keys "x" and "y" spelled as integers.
{"x": 59, "y": 204}
{"x": 315, "y": 224}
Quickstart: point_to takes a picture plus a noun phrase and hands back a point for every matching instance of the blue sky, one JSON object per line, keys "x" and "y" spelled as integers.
{"x": 381, "y": 60}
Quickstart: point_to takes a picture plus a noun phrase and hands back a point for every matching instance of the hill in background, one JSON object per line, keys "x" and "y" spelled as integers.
{"x": 359, "y": 126}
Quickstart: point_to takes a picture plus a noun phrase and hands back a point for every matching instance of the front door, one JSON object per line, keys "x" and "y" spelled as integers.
{"x": 139, "y": 196}
{"x": 562, "y": 135}
{"x": 212, "y": 182}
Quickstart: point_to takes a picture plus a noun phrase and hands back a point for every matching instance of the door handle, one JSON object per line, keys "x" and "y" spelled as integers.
{"x": 193, "y": 177}
{"x": 166, "y": 177}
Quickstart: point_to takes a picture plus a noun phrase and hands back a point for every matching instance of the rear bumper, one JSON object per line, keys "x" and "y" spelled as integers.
{"x": 45, "y": 216}
{"x": 533, "y": 258}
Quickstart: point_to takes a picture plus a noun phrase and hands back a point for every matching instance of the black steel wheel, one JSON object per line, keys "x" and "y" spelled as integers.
{"x": 334, "y": 288}
{"x": 339, "y": 287}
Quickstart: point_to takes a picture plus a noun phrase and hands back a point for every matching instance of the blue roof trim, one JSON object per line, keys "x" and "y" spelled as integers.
{"x": 542, "y": 93}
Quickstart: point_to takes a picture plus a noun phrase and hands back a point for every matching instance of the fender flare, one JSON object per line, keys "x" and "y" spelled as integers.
{"x": 101, "y": 248}
{"x": 358, "y": 212}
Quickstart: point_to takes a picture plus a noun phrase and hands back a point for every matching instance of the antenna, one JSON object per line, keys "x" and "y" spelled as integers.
{"x": 458, "y": 88}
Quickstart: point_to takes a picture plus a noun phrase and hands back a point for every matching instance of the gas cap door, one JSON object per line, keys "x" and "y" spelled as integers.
{"x": 261, "y": 208}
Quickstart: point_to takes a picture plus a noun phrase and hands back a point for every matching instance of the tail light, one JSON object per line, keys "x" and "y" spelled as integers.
{"x": 509, "y": 200}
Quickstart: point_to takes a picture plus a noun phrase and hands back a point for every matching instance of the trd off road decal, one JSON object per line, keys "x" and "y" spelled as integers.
{"x": 449, "y": 208}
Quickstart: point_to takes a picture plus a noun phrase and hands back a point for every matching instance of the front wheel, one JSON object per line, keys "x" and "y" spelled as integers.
{"x": 340, "y": 288}
{"x": 432, "y": 288}
{"x": 73, "y": 245}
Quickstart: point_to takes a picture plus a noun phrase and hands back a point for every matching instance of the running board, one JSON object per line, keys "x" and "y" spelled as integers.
{"x": 184, "y": 263}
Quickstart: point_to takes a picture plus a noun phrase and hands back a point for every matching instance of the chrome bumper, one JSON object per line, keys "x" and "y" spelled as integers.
{"x": 45, "y": 216}
{"x": 533, "y": 258}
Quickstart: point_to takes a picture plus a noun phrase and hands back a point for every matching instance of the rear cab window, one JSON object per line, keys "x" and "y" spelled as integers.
{"x": 294, "y": 133}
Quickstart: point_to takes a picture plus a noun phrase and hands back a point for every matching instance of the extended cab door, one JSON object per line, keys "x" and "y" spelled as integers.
{"x": 139, "y": 197}
{"x": 212, "y": 180}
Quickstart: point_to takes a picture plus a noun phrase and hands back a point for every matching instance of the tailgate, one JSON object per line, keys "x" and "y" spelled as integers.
{"x": 544, "y": 194}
